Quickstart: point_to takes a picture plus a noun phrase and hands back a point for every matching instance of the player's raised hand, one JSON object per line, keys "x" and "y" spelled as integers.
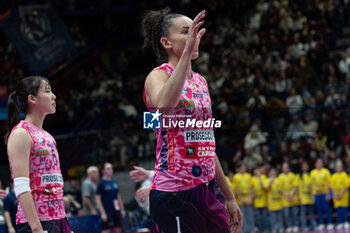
{"x": 194, "y": 36}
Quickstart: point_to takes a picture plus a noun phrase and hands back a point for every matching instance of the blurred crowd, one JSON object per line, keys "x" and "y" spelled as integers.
{"x": 277, "y": 75}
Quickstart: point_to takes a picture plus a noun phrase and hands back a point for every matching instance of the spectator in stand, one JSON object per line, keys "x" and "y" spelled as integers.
{"x": 310, "y": 127}
{"x": 321, "y": 141}
{"x": 333, "y": 98}
{"x": 347, "y": 145}
{"x": 294, "y": 102}
{"x": 256, "y": 103}
{"x": 254, "y": 138}
{"x": 128, "y": 109}
{"x": 344, "y": 66}
{"x": 88, "y": 191}
{"x": 295, "y": 128}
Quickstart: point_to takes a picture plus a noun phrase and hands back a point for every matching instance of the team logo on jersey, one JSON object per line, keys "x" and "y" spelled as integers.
{"x": 196, "y": 171}
{"x": 52, "y": 179}
{"x": 199, "y": 136}
{"x": 200, "y": 151}
{"x": 190, "y": 151}
{"x": 41, "y": 153}
{"x": 183, "y": 103}
{"x": 194, "y": 87}
{"x": 197, "y": 95}
{"x": 38, "y": 138}
{"x": 151, "y": 120}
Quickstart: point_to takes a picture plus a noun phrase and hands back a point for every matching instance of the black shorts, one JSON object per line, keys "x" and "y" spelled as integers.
{"x": 189, "y": 211}
{"x": 52, "y": 226}
{"x": 113, "y": 220}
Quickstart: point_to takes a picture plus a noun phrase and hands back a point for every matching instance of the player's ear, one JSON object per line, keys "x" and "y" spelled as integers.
{"x": 165, "y": 42}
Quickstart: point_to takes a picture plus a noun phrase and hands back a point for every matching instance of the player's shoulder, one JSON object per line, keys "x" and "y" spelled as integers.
{"x": 19, "y": 134}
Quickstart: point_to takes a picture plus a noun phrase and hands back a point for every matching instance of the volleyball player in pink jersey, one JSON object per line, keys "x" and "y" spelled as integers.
{"x": 34, "y": 160}
{"x": 183, "y": 193}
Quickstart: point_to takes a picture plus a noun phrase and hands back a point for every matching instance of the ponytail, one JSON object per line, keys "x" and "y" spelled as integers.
{"x": 155, "y": 25}
{"x": 12, "y": 115}
{"x": 27, "y": 86}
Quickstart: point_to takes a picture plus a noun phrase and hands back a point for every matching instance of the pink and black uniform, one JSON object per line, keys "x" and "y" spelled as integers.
{"x": 46, "y": 182}
{"x": 182, "y": 195}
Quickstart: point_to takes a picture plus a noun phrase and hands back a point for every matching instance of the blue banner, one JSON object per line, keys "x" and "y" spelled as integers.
{"x": 40, "y": 36}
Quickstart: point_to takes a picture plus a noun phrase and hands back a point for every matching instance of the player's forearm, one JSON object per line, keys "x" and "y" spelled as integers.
{"x": 121, "y": 203}
{"x": 222, "y": 182}
{"x": 8, "y": 219}
{"x": 28, "y": 207}
{"x": 100, "y": 206}
{"x": 169, "y": 94}
{"x": 76, "y": 204}
{"x": 88, "y": 205}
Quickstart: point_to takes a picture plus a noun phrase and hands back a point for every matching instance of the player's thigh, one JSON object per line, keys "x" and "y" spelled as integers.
{"x": 175, "y": 212}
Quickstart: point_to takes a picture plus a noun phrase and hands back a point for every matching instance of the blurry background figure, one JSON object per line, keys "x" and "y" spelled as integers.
{"x": 244, "y": 191}
{"x": 73, "y": 195}
{"x": 140, "y": 208}
{"x": 109, "y": 201}
{"x": 88, "y": 190}
{"x": 2, "y": 218}
{"x": 71, "y": 206}
{"x": 10, "y": 209}
{"x": 320, "y": 179}
{"x": 340, "y": 189}
{"x": 306, "y": 199}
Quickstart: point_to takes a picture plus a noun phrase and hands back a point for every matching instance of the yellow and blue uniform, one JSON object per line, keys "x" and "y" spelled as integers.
{"x": 260, "y": 195}
{"x": 260, "y": 202}
{"x": 306, "y": 201}
{"x": 274, "y": 203}
{"x": 274, "y": 196}
{"x": 339, "y": 181}
{"x": 288, "y": 183}
{"x": 320, "y": 180}
{"x": 305, "y": 189}
{"x": 243, "y": 186}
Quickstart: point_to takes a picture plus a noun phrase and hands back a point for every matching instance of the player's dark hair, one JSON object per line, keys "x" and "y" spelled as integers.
{"x": 155, "y": 25}
{"x": 18, "y": 100}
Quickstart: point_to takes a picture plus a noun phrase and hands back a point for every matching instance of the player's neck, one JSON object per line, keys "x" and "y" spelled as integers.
{"x": 107, "y": 177}
{"x": 36, "y": 119}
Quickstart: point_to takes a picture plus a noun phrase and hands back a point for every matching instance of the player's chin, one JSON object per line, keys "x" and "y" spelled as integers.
{"x": 52, "y": 110}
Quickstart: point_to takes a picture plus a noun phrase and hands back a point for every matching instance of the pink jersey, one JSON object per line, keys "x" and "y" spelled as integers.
{"x": 45, "y": 176}
{"x": 185, "y": 155}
